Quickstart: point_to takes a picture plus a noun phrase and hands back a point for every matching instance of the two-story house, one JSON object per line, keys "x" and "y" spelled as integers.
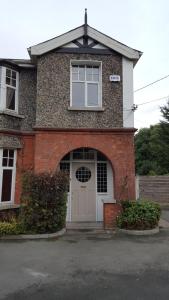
{"x": 70, "y": 106}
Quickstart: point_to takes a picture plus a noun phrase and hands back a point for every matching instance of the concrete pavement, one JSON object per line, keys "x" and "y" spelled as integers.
{"x": 84, "y": 266}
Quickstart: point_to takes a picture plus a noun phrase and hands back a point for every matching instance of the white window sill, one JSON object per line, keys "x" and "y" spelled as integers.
{"x": 108, "y": 200}
{"x": 4, "y": 206}
{"x": 11, "y": 113}
{"x": 86, "y": 108}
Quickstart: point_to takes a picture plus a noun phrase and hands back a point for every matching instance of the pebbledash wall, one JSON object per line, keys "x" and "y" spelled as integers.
{"x": 53, "y": 93}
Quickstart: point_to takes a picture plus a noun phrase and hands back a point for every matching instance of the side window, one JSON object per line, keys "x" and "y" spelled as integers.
{"x": 9, "y": 82}
{"x": 86, "y": 85}
{"x": 102, "y": 177}
{"x": 7, "y": 174}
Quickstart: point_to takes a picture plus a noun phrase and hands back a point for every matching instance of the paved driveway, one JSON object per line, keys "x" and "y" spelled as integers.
{"x": 86, "y": 267}
{"x": 165, "y": 214}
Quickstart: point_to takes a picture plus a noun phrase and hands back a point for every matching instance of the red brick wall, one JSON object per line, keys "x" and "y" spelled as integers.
{"x": 25, "y": 161}
{"x": 44, "y": 151}
{"x": 117, "y": 146}
{"x": 111, "y": 211}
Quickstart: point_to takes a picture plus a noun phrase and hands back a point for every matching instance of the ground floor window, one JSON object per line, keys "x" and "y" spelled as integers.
{"x": 7, "y": 175}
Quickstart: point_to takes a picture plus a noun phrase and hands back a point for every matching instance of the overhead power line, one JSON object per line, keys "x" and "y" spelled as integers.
{"x": 158, "y": 99}
{"x": 135, "y": 106}
{"x": 145, "y": 86}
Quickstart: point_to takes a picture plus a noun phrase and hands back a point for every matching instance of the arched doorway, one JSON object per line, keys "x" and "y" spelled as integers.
{"x": 91, "y": 182}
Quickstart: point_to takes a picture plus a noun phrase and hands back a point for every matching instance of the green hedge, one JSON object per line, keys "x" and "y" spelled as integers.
{"x": 43, "y": 206}
{"x": 139, "y": 215}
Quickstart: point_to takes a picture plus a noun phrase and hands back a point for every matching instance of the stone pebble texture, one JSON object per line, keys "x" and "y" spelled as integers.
{"x": 53, "y": 93}
{"x": 44, "y": 95}
{"x": 13, "y": 142}
{"x": 27, "y": 103}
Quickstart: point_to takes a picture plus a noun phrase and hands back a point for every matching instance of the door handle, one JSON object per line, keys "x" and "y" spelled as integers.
{"x": 83, "y": 186}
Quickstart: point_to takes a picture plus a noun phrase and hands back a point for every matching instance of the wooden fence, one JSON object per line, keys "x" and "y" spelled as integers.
{"x": 155, "y": 188}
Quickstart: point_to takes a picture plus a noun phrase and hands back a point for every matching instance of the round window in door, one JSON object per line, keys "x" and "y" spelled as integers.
{"x": 83, "y": 174}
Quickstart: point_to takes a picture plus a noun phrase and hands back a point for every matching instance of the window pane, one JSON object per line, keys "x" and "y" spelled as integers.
{"x": 8, "y": 81}
{"x": 13, "y": 74}
{"x": 10, "y": 162}
{"x": 81, "y": 73}
{"x": 92, "y": 94}
{"x": 78, "y": 154}
{"x": 6, "y": 185}
{"x": 89, "y": 73}
{"x": 4, "y": 162}
{"x": 10, "y": 98}
{"x": 102, "y": 178}
{"x": 66, "y": 157}
{"x": 8, "y": 72}
{"x": 11, "y": 153}
{"x": 78, "y": 94}
{"x": 75, "y": 69}
{"x": 5, "y": 153}
{"x": 13, "y": 82}
{"x": 100, "y": 156}
{"x": 95, "y": 77}
{"x": 83, "y": 153}
{"x": 75, "y": 76}
{"x": 96, "y": 70}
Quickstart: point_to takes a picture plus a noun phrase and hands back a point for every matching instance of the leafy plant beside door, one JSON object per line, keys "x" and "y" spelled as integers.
{"x": 43, "y": 208}
{"x": 142, "y": 215}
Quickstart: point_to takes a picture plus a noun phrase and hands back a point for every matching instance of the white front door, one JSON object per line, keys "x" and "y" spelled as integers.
{"x": 83, "y": 195}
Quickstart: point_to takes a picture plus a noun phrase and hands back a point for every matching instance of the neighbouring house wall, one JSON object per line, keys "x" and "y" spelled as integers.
{"x": 10, "y": 141}
{"x": 27, "y": 97}
{"x": 27, "y": 104}
{"x": 155, "y": 188}
{"x": 53, "y": 93}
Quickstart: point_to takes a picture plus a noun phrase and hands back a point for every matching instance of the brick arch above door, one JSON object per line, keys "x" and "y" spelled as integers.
{"x": 116, "y": 145}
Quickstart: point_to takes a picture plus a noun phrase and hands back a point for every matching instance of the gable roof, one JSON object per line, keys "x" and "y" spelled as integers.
{"x": 79, "y": 32}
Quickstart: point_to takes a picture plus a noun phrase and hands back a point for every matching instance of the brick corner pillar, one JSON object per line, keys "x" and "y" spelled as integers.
{"x": 111, "y": 211}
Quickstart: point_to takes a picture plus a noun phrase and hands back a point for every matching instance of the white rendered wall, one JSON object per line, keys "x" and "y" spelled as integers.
{"x": 128, "y": 114}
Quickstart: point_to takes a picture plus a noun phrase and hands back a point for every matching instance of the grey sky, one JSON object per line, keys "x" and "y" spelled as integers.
{"x": 143, "y": 25}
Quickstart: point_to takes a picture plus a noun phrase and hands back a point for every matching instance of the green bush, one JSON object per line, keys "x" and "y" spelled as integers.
{"x": 10, "y": 228}
{"x": 139, "y": 215}
{"x": 43, "y": 205}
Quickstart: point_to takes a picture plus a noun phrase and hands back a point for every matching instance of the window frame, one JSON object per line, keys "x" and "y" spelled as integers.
{"x": 99, "y": 162}
{"x": 85, "y": 63}
{"x": 3, "y": 89}
{"x": 13, "y": 168}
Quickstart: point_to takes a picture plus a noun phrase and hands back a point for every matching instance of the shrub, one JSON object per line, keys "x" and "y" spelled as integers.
{"x": 43, "y": 205}
{"x": 10, "y": 228}
{"x": 139, "y": 215}
{"x": 6, "y": 215}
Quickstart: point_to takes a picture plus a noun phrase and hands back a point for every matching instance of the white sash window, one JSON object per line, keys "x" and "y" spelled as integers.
{"x": 7, "y": 175}
{"x": 9, "y": 82}
{"x": 86, "y": 85}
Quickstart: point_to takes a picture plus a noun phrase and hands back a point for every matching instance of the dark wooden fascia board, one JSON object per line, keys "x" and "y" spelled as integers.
{"x": 84, "y": 50}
